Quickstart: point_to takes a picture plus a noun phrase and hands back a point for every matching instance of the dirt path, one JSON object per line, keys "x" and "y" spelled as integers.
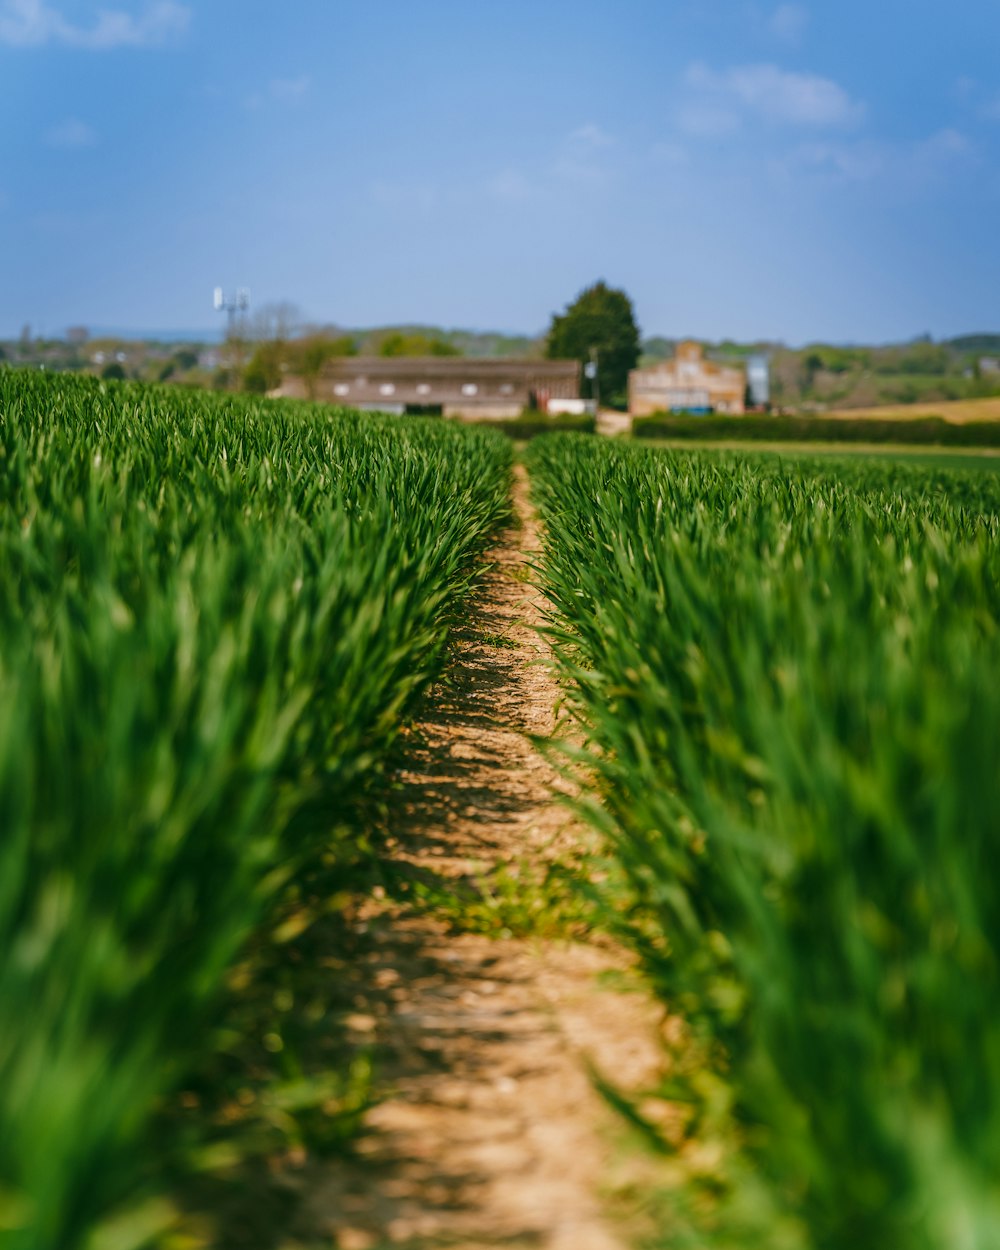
{"x": 491, "y": 1134}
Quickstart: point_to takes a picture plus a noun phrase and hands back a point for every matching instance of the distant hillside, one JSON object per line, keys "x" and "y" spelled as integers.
{"x": 478, "y": 343}
{"x": 821, "y": 377}
{"x": 986, "y": 344}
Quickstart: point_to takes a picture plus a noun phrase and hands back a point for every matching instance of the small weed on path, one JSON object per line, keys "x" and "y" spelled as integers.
{"x": 523, "y": 900}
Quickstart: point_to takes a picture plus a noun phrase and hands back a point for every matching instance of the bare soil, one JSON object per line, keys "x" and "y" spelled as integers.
{"x": 489, "y": 1132}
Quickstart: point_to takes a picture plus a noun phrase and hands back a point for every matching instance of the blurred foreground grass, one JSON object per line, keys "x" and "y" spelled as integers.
{"x": 216, "y": 614}
{"x": 789, "y": 675}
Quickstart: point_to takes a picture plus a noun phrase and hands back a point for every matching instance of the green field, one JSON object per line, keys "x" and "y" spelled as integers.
{"x": 788, "y": 677}
{"x": 986, "y": 459}
{"x": 216, "y": 616}
{"x": 221, "y": 621}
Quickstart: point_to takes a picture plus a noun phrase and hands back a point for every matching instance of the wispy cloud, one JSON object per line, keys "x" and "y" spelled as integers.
{"x": 33, "y": 24}
{"x": 788, "y": 23}
{"x": 720, "y": 101}
{"x": 983, "y": 102}
{"x": 943, "y": 148}
{"x": 579, "y": 160}
{"x": 841, "y": 162}
{"x": 936, "y": 157}
{"x": 71, "y": 133}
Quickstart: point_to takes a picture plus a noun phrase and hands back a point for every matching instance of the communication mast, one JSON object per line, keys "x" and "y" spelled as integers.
{"x": 232, "y": 305}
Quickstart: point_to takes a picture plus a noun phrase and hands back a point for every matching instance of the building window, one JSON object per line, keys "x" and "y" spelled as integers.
{"x": 506, "y": 389}
{"x": 423, "y": 388}
{"x": 342, "y": 388}
{"x": 387, "y": 388}
{"x": 470, "y": 388}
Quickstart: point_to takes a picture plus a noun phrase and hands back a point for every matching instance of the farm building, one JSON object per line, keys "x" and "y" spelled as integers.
{"x": 687, "y": 383}
{"x": 449, "y": 385}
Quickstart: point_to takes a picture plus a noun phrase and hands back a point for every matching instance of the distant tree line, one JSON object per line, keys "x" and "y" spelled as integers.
{"x": 284, "y": 348}
{"x": 598, "y": 328}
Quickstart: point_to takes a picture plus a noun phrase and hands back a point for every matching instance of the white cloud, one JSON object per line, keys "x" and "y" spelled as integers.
{"x": 769, "y": 93}
{"x": 33, "y": 23}
{"x": 788, "y": 23}
{"x": 72, "y": 133}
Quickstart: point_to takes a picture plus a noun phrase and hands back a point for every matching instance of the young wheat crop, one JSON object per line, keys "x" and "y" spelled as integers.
{"x": 214, "y": 613}
{"x": 791, "y": 682}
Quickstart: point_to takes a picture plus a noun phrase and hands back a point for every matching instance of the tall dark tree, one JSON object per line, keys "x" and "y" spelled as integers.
{"x": 600, "y": 320}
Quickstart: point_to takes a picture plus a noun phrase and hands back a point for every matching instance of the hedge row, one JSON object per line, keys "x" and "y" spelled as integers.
{"x": 932, "y": 430}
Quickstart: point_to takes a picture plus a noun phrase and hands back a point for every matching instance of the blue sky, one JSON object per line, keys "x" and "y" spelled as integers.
{"x": 795, "y": 171}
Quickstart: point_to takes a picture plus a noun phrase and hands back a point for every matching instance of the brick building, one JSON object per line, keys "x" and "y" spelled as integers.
{"x": 687, "y": 383}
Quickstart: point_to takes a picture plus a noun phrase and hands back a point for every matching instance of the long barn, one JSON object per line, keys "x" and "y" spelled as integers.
{"x": 449, "y": 385}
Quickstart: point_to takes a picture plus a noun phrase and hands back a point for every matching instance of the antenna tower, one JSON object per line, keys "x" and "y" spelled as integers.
{"x": 233, "y": 305}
